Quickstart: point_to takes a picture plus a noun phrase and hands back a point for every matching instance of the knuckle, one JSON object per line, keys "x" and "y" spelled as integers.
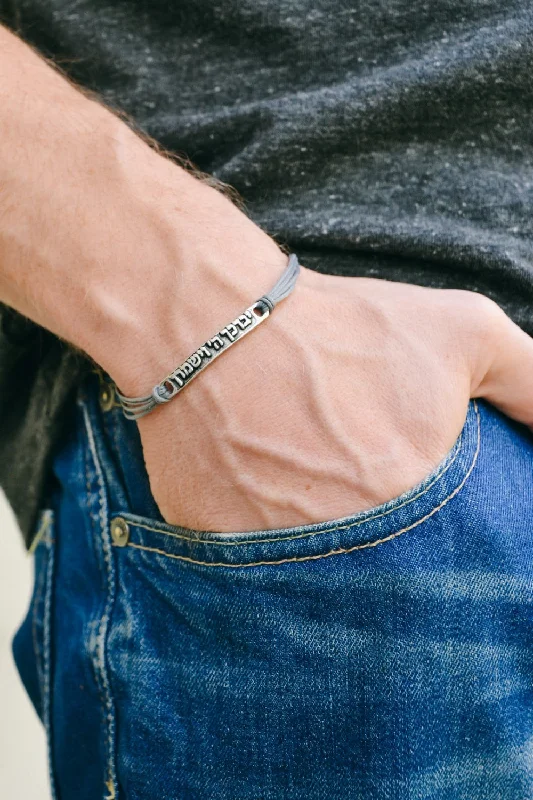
{"x": 483, "y": 314}
{"x": 492, "y": 321}
{"x": 488, "y": 309}
{"x": 480, "y": 326}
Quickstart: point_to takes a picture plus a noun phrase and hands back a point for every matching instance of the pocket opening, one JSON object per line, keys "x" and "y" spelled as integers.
{"x": 360, "y": 531}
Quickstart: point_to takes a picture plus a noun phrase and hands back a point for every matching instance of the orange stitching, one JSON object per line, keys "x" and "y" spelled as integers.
{"x": 197, "y": 540}
{"x": 340, "y": 550}
{"x": 42, "y": 531}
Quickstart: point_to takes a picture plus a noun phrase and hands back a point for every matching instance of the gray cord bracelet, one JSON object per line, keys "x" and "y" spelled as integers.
{"x": 137, "y": 407}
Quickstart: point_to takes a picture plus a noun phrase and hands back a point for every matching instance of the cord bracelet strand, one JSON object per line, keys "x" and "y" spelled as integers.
{"x": 136, "y": 407}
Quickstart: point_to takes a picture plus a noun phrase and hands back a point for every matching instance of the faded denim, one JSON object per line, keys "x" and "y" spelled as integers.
{"x": 384, "y": 656}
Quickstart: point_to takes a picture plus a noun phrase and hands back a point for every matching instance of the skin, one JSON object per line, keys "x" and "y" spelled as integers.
{"x": 349, "y": 394}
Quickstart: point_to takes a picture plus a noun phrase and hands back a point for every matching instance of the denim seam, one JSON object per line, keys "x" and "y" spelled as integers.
{"x": 95, "y": 523}
{"x": 39, "y": 656}
{"x": 47, "y": 662}
{"x": 41, "y": 538}
{"x": 338, "y": 551}
{"x": 339, "y": 527}
{"x": 111, "y": 778}
{"x": 113, "y": 429}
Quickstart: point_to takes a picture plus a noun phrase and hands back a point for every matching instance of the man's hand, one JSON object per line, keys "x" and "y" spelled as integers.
{"x": 351, "y": 393}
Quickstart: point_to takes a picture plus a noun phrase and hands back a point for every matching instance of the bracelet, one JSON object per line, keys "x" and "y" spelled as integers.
{"x": 137, "y": 407}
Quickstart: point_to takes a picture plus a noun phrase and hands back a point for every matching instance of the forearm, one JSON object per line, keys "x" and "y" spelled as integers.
{"x": 104, "y": 241}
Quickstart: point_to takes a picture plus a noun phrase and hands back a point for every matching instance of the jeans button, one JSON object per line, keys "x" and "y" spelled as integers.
{"x": 106, "y": 396}
{"x": 120, "y": 531}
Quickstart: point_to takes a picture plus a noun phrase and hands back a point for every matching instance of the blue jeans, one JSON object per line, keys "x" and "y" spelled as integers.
{"x": 386, "y": 655}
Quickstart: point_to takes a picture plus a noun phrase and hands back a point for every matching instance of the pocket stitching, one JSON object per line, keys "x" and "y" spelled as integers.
{"x": 338, "y": 527}
{"x": 337, "y": 551}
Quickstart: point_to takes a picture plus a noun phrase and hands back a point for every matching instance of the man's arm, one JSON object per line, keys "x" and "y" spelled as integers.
{"x": 91, "y": 217}
{"x": 348, "y": 395}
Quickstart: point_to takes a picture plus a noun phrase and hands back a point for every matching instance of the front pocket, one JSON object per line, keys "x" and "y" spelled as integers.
{"x": 277, "y": 681}
{"x": 309, "y": 542}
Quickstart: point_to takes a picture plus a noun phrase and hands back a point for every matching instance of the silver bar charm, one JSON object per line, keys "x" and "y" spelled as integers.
{"x": 137, "y": 407}
{"x": 211, "y": 349}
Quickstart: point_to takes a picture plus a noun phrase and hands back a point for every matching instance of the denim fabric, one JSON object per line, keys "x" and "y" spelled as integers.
{"x": 387, "y": 655}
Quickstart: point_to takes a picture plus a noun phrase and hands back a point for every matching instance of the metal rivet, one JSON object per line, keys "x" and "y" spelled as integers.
{"x": 120, "y": 531}
{"x": 107, "y": 396}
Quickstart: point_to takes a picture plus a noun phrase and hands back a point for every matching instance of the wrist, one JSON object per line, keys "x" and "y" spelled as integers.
{"x": 203, "y": 269}
{"x": 130, "y": 257}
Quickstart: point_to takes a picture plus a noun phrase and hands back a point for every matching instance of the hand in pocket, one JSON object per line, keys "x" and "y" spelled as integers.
{"x": 349, "y": 394}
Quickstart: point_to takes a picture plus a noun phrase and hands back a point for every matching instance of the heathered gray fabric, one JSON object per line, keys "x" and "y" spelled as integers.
{"x": 391, "y": 139}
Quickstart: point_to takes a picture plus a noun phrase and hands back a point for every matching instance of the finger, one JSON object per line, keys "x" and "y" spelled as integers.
{"x": 506, "y": 379}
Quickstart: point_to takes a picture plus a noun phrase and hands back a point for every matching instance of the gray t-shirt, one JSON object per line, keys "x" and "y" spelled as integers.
{"x": 387, "y": 139}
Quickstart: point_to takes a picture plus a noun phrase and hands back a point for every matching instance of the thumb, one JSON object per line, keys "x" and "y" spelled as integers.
{"x": 503, "y": 374}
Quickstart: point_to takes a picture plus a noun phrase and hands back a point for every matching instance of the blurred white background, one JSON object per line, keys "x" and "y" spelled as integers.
{"x": 23, "y": 769}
